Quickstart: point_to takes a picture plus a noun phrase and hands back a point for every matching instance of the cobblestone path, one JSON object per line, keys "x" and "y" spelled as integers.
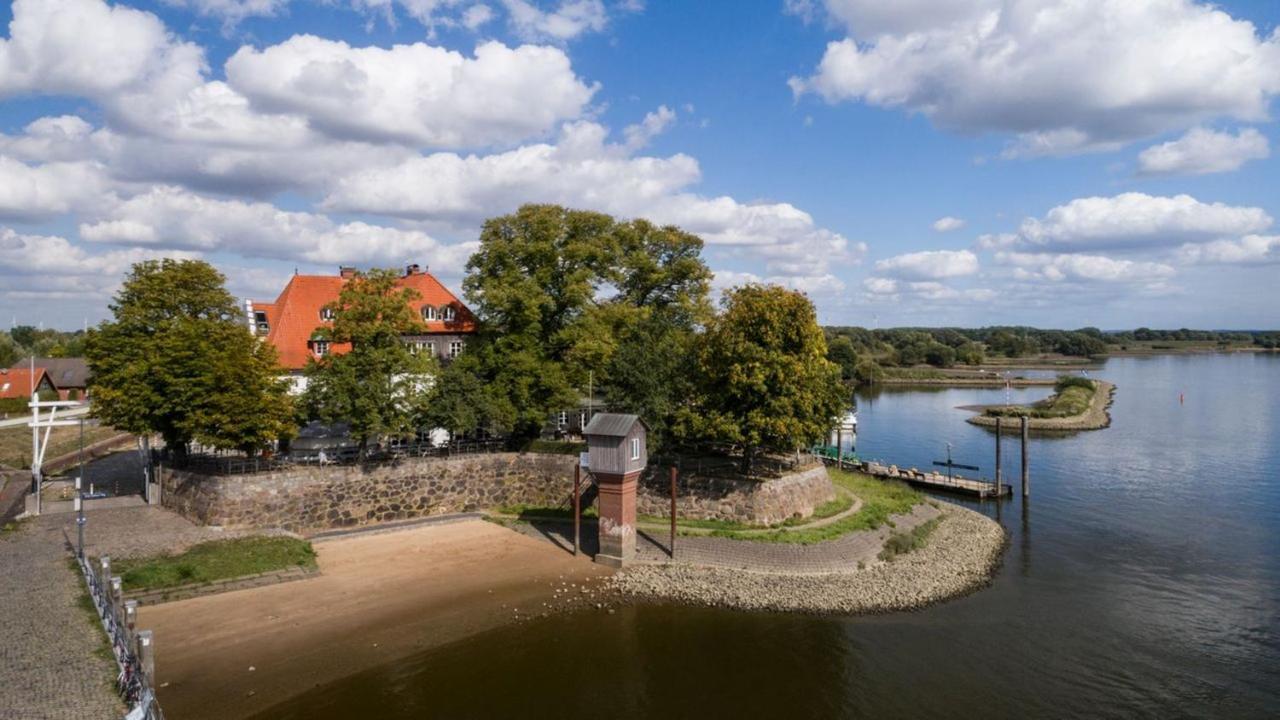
{"x": 50, "y": 666}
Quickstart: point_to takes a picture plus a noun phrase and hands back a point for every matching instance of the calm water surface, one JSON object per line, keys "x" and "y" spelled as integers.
{"x": 1142, "y": 580}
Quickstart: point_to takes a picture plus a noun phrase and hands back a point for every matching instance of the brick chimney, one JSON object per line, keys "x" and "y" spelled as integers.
{"x": 346, "y": 272}
{"x": 412, "y": 269}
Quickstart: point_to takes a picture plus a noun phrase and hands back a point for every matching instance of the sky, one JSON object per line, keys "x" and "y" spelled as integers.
{"x": 1057, "y": 163}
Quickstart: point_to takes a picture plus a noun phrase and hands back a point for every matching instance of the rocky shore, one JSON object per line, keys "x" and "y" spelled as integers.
{"x": 1098, "y": 415}
{"x": 962, "y": 554}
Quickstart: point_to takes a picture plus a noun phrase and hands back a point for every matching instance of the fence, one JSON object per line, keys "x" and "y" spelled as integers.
{"x": 132, "y": 648}
{"x": 234, "y": 464}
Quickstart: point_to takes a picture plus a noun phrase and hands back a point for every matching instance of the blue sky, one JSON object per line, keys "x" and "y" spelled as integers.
{"x": 1100, "y": 162}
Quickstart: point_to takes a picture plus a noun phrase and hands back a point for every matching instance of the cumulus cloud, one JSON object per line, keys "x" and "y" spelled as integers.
{"x": 43, "y": 191}
{"x": 653, "y": 125}
{"x": 1248, "y": 250}
{"x": 1201, "y": 151}
{"x": 1059, "y": 267}
{"x": 930, "y": 264}
{"x": 51, "y": 267}
{"x": 172, "y": 219}
{"x": 922, "y": 291}
{"x": 1131, "y": 220}
{"x": 1062, "y": 77}
{"x": 232, "y": 11}
{"x": 567, "y": 21}
{"x": 583, "y": 170}
{"x": 418, "y": 94}
{"x": 825, "y": 284}
{"x": 947, "y": 224}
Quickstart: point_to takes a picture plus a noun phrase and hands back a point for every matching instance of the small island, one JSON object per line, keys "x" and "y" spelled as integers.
{"x": 1077, "y": 403}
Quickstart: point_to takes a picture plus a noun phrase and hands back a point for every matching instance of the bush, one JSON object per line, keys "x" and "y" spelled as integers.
{"x": 555, "y": 447}
{"x": 1070, "y": 381}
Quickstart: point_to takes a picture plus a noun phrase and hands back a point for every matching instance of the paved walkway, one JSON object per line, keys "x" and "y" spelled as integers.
{"x": 48, "y": 664}
{"x": 840, "y": 555}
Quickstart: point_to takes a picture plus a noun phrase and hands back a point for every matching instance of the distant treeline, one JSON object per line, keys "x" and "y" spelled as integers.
{"x": 24, "y": 341}
{"x": 862, "y": 354}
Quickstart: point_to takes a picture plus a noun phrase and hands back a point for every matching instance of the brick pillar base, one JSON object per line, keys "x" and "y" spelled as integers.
{"x": 617, "y": 518}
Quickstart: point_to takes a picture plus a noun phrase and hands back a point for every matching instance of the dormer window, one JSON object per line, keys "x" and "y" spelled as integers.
{"x": 448, "y": 312}
{"x": 428, "y": 312}
{"x": 326, "y": 313}
{"x": 320, "y": 347}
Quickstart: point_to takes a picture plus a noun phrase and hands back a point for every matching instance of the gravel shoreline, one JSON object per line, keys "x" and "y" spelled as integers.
{"x": 962, "y": 555}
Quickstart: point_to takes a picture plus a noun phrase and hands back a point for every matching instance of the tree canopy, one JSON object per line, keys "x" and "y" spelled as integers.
{"x": 177, "y": 360}
{"x": 764, "y": 380}
{"x": 379, "y": 386}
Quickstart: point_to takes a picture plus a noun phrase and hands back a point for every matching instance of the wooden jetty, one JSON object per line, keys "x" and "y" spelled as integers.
{"x": 933, "y": 480}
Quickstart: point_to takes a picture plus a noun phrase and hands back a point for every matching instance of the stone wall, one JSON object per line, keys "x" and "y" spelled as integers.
{"x": 753, "y": 501}
{"x": 307, "y": 499}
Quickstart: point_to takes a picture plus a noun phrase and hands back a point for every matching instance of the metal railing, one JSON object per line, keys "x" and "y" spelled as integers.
{"x": 132, "y": 648}
{"x": 233, "y": 464}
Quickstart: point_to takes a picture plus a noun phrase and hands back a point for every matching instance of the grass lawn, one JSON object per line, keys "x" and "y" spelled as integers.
{"x": 880, "y": 499}
{"x": 215, "y": 560}
{"x": 543, "y": 512}
{"x": 15, "y": 442}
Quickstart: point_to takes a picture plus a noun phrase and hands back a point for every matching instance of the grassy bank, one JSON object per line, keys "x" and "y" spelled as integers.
{"x": 1072, "y": 396}
{"x": 901, "y": 543}
{"x": 880, "y": 500}
{"x": 15, "y": 442}
{"x": 216, "y": 560}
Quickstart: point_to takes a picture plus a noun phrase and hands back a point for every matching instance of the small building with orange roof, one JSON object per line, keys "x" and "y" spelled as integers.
{"x": 292, "y": 320}
{"x": 20, "y": 383}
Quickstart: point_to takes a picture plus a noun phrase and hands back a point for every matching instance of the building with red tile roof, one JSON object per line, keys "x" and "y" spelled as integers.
{"x": 19, "y": 382}
{"x": 291, "y": 321}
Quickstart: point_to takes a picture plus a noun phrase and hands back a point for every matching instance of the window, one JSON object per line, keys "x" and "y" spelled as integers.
{"x": 428, "y": 312}
{"x": 564, "y": 418}
{"x": 448, "y": 312}
{"x": 326, "y": 313}
{"x": 455, "y": 348}
{"x": 418, "y": 347}
{"x": 635, "y": 448}
{"x": 320, "y": 347}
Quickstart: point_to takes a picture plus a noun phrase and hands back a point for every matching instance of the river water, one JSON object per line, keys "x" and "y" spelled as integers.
{"x": 1142, "y": 579}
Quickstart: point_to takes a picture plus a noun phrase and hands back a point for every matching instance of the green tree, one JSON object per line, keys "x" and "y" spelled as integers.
{"x": 378, "y": 385}
{"x": 840, "y": 351}
{"x": 176, "y": 360}
{"x": 763, "y": 375}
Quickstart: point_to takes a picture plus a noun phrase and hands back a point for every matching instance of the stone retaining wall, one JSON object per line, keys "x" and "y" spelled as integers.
{"x": 309, "y": 499}
{"x": 305, "y": 499}
{"x": 753, "y": 501}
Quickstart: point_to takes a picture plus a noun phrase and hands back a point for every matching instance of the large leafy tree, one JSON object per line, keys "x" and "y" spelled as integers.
{"x": 178, "y": 361}
{"x": 379, "y": 386}
{"x": 560, "y": 294}
{"x": 764, "y": 379}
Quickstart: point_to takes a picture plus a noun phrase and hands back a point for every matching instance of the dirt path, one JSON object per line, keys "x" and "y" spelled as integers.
{"x": 378, "y": 598}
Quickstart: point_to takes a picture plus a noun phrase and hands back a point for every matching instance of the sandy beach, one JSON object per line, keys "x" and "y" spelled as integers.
{"x": 379, "y": 597}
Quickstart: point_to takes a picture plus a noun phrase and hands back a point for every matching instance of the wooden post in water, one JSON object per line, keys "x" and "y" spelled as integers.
{"x": 577, "y": 508}
{"x": 1026, "y": 470}
{"x": 673, "y": 512}
{"x": 998, "y": 457}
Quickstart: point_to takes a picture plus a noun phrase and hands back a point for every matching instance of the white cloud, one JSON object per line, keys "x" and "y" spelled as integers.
{"x": 232, "y": 11}
{"x": 879, "y": 289}
{"x": 1063, "y": 77}
{"x": 43, "y": 191}
{"x": 947, "y": 224}
{"x": 825, "y": 284}
{"x": 1132, "y": 220}
{"x": 476, "y": 16}
{"x": 418, "y": 93}
{"x": 1201, "y": 151}
{"x": 170, "y": 218}
{"x": 51, "y": 267}
{"x": 930, "y": 264}
{"x": 1248, "y": 250}
{"x": 1083, "y": 268}
{"x": 654, "y": 124}
{"x": 583, "y": 170}
{"x": 570, "y": 19}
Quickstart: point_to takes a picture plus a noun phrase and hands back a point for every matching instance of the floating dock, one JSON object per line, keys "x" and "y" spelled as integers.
{"x": 930, "y": 480}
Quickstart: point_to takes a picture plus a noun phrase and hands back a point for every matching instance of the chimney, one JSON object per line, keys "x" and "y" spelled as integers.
{"x": 412, "y": 269}
{"x": 346, "y": 273}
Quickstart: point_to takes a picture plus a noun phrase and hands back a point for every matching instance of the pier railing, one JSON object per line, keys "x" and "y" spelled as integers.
{"x": 132, "y": 648}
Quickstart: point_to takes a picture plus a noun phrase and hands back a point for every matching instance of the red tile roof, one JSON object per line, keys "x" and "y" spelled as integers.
{"x": 17, "y": 382}
{"x": 295, "y": 315}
